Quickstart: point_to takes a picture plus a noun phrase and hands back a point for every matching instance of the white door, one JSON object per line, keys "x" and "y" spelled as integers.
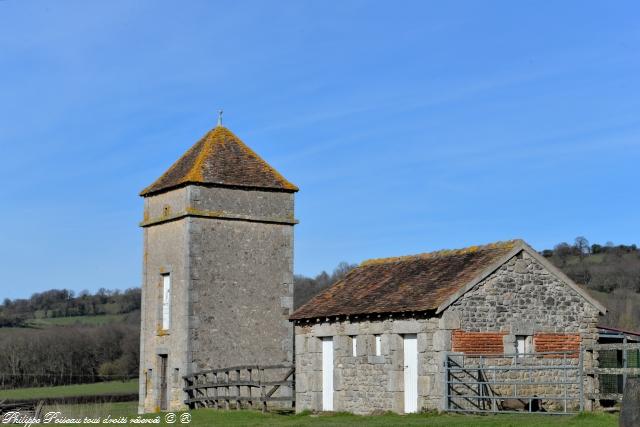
{"x": 327, "y": 374}
{"x": 410, "y": 373}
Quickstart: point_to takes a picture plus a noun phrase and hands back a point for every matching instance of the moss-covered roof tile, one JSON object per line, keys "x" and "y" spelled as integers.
{"x": 220, "y": 158}
{"x": 412, "y": 283}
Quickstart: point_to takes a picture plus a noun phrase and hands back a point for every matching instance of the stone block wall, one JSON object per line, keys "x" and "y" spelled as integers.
{"x": 241, "y": 277}
{"x": 523, "y": 298}
{"x": 165, "y": 251}
{"x": 365, "y": 383}
{"x": 241, "y": 293}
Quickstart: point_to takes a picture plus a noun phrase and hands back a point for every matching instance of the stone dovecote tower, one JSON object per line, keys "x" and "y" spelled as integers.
{"x": 218, "y": 267}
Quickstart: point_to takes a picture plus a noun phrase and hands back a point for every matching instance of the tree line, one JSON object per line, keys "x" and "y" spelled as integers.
{"x": 610, "y": 272}
{"x": 65, "y": 303}
{"x": 306, "y": 287}
{"x": 601, "y": 268}
{"x": 68, "y": 355}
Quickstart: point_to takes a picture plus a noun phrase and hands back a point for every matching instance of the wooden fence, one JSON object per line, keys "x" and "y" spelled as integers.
{"x": 241, "y": 387}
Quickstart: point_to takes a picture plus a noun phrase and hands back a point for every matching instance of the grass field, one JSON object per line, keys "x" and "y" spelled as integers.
{"x": 109, "y": 387}
{"x": 103, "y": 319}
{"x": 206, "y": 417}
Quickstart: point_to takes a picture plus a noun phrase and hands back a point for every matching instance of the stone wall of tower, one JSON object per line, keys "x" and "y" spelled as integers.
{"x": 165, "y": 251}
{"x": 230, "y": 255}
{"x": 241, "y": 278}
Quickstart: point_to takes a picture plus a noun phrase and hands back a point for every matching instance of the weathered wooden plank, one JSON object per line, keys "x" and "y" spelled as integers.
{"x": 235, "y": 368}
{"x": 280, "y": 383}
{"x": 253, "y": 384}
{"x": 241, "y": 398}
{"x": 223, "y": 384}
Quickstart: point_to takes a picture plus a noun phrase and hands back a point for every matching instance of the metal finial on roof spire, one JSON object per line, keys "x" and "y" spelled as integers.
{"x": 220, "y": 117}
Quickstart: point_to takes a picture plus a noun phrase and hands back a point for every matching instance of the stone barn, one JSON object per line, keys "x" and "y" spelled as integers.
{"x": 377, "y": 339}
{"x": 218, "y": 267}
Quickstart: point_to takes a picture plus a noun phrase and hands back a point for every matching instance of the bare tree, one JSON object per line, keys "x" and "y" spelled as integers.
{"x": 581, "y": 244}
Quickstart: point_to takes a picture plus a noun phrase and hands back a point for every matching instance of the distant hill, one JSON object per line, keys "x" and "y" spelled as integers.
{"x": 58, "y": 338}
{"x": 63, "y": 303}
{"x": 611, "y": 273}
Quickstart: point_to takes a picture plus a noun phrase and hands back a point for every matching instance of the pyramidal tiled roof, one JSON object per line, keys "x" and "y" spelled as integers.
{"x": 404, "y": 284}
{"x": 220, "y": 158}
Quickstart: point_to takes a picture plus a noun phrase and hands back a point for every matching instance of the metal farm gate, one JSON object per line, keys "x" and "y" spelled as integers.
{"x": 550, "y": 382}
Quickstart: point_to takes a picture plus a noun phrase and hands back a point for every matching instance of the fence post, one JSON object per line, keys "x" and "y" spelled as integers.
{"x": 565, "y": 379}
{"x": 445, "y": 385}
{"x": 250, "y": 402}
{"x": 624, "y": 363}
{"x": 263, "y": 395}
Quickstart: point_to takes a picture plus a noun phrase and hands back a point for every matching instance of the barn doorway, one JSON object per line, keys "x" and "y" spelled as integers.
{"x": 327, "y": 374}
{"x": 164, "y": 392}
{"x": 410, "y": 373}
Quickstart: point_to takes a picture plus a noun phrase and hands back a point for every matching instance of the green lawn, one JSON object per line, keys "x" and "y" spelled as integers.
{"x": 109, "y": 387}
{"x": 205, "y": 417}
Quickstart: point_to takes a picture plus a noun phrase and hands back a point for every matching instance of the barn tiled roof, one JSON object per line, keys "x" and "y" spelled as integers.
{"x": 404, "y": 284}
{"x": 220, "y": 158}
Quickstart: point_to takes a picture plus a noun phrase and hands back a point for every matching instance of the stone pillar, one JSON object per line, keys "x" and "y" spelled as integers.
{"x": 630, "y": 413}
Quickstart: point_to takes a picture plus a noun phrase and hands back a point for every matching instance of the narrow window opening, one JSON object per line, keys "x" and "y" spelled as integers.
{"x": 378, "y": 345}
{"x": 354, "y": 345}
{"x": 166, "y": 301}
{"x": 522, "y": 346}
{"x": 147, "y": 375}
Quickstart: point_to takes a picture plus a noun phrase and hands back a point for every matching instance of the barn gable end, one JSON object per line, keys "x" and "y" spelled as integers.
{"x": 523, "y": 297}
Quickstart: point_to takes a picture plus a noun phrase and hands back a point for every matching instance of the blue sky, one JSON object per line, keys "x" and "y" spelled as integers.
{"x": 408, "y": 126}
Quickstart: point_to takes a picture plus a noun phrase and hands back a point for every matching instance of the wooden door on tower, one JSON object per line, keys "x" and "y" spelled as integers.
{"x": 164, "y": 392}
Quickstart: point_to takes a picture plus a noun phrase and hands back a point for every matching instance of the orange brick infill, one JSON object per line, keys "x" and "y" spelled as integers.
{"x": 547, "y": 342}
{"x": 477, "y": 342}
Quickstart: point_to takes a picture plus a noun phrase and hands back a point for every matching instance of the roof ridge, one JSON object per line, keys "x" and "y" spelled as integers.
{"x": 195, "y": 173}
{"x": 443, "y": 252}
